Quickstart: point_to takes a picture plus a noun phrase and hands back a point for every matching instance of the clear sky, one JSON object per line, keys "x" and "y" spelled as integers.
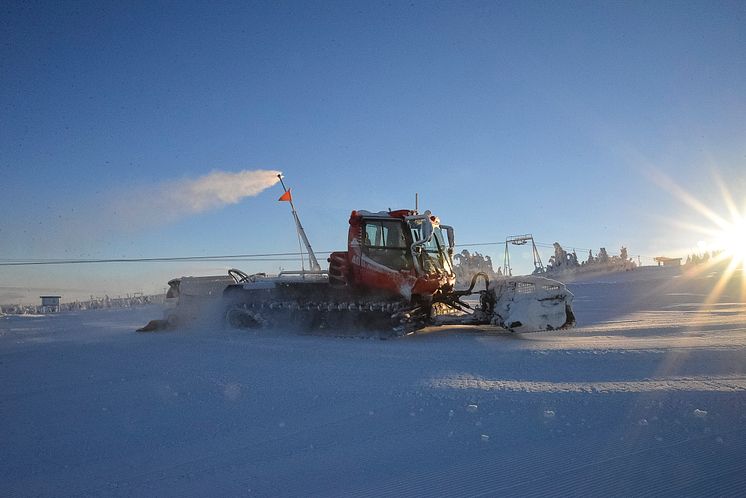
{"x": 507, "y": 117}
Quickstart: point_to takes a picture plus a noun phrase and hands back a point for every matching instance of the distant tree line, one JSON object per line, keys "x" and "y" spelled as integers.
{"x": 697, "y": 259}
{"x": 467, "y": 264}
{"x": 92, "y": 304}
{"x": 563, "y": 261}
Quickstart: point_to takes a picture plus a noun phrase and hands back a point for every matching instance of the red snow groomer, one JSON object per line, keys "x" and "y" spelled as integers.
{"x": 396, "y": 275}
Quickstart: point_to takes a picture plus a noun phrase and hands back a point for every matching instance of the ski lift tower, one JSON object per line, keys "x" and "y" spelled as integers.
{"x": 521, "y": 240}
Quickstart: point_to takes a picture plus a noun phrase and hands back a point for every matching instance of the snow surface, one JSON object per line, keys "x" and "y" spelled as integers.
{"x": 646, "y": 396}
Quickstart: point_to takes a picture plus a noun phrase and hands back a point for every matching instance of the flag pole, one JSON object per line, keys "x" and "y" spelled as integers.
{"x": 301, "y": 232}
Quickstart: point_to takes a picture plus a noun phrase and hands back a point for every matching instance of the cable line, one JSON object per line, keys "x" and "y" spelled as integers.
{"x": 228, "y": 257}
{"x": 270, "y": 257}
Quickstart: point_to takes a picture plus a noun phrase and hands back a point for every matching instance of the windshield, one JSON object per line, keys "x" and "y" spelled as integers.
{"x": 434, "y": 255}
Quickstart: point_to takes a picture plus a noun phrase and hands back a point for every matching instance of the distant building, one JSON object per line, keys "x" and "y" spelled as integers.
{"x": 50, "y": 304}
{"x": 664, "y": 261}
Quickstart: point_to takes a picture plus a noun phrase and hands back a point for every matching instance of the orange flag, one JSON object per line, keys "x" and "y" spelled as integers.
{"x": 286, "y": 196}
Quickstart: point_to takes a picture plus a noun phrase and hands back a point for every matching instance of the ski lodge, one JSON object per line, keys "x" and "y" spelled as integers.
{"x": 664, "y": 261}
{"x": 50, "y": 304}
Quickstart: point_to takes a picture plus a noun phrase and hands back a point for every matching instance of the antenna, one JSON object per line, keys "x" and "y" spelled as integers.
{"x": 301, "y": 233}
{"x": 416, "y": 202}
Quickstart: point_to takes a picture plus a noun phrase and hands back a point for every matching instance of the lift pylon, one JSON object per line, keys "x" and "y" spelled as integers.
{"x": 521, "y": 240}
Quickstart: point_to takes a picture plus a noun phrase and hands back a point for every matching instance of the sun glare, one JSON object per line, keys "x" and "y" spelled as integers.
{"x": 732, "y": 241}
{"x": 723, "y": 253}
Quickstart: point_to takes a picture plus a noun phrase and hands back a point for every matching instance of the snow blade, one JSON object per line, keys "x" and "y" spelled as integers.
{"x": 532, "y": 304}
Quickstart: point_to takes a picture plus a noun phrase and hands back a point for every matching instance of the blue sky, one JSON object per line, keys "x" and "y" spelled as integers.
{"x": 506, "y": 117}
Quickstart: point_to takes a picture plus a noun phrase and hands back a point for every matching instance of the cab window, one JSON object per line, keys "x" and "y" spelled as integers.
{"x": 385, "y": 243}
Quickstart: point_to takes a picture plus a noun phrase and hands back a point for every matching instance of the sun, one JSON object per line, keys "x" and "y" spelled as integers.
{"x": 731, "y": 240}
{"x": 724, "y": 247}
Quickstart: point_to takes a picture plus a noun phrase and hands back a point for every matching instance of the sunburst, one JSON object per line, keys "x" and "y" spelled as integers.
{"x": 725, "y": 237}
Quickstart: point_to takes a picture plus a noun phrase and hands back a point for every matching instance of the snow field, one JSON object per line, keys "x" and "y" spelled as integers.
{"x": 645, "y": 396}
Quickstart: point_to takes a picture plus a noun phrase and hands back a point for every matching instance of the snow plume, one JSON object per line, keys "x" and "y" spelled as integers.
{"x": 170, "y": 201}
{"x": 83, "y": 223}
{"x": 216, "y": 190}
